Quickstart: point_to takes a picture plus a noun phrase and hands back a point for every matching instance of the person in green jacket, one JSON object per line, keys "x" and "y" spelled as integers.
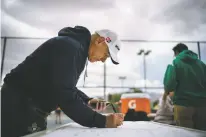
{"x": 187, "y": 78}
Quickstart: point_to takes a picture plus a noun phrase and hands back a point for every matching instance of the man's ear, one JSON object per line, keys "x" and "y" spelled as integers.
{"x": 176, "y": 53}
{"x": 99, "y": 40}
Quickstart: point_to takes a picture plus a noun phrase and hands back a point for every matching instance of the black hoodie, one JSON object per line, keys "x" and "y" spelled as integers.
{"x": 49, "y": 76}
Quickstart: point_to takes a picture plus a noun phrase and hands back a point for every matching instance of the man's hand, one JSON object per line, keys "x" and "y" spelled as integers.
{"x": 97, "y": 104}
{"x": 114, "y": 120}
{"x": 94, "y": 100}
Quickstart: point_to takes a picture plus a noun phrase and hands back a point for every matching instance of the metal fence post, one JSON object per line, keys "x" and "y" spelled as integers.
{"x": 198, "y": 48}
{"x": 3, "y": 56}
{"x": 105, "y": 81}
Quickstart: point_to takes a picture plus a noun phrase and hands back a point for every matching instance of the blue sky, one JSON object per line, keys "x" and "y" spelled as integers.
{"x": 132, "y": 19}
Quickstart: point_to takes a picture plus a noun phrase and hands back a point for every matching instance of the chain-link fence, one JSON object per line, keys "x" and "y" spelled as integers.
{"x": 142, "y": 66}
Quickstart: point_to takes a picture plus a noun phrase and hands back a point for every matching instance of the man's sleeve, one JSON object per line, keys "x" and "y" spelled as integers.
{"x": 170, "y": 79}
{"x": 64, "y": 78}
{"x": 84, "y": 97}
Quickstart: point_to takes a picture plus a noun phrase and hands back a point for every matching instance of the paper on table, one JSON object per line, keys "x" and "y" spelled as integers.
{"x": 133, "y": 129}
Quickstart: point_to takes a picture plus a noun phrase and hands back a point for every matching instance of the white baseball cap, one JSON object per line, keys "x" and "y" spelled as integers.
{"x": 111, "y": 39}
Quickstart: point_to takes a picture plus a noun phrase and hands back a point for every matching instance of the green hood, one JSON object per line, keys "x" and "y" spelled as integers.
{"x": 187, "y": 56}
{"x": 191, "y": 58}
{"x": 187, "y": 78}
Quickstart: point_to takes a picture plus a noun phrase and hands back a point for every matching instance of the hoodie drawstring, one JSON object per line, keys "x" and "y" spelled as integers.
{"x": 85, "y": 73}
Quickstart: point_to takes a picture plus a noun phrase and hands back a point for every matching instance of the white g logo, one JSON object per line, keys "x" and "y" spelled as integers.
{"x": 132, "y": 104}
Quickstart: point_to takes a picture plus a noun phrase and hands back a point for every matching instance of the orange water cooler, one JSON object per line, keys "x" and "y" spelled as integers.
{"x": 136, "y": 101}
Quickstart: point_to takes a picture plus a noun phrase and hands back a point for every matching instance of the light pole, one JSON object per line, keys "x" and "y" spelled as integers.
{"x": 144, "y": 53}
{"x": 122, "y": 78}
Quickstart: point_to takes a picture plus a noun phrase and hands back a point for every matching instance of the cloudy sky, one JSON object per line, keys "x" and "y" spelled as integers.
{"x": 132, "y": 20}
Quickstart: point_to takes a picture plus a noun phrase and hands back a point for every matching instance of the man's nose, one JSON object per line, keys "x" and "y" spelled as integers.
{"x": 104, "y": 59}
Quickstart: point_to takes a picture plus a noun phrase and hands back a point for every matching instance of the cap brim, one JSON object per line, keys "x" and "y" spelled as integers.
{"x": 114, "y": 62}
{"x": 114, "y": 57}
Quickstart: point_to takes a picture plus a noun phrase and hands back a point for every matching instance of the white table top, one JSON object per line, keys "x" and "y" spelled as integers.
{"x": 128, "y": 129}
